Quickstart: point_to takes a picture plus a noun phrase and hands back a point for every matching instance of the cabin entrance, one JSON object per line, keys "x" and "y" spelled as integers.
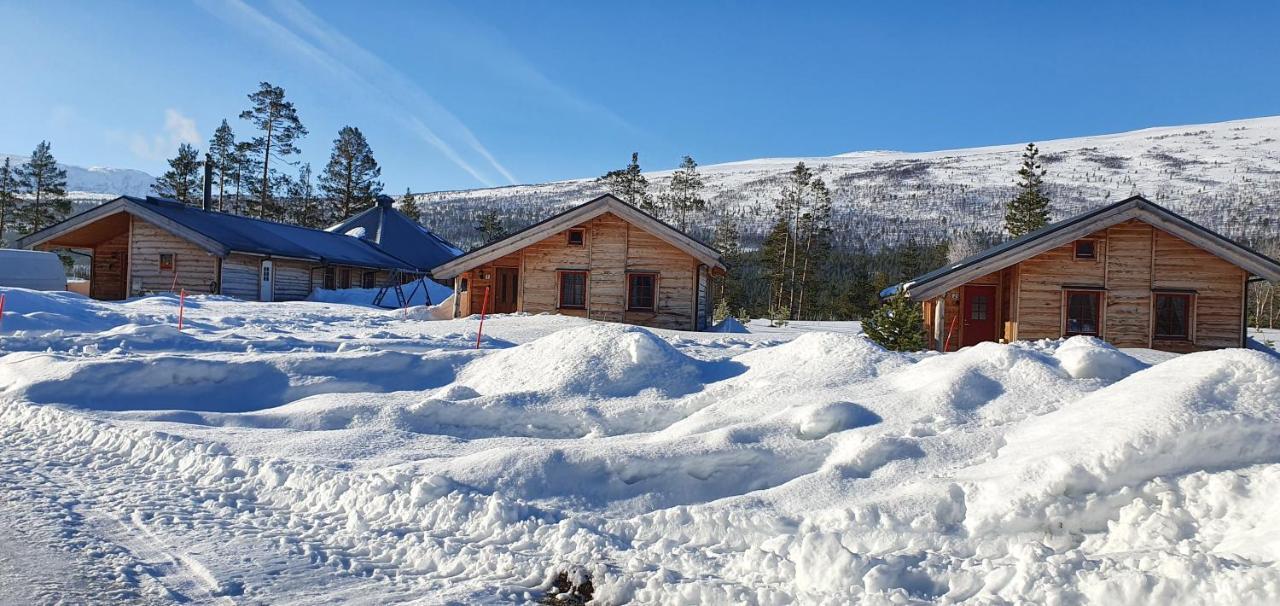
{"x": 506, "y": 285}
{"x": 978, "y": 309}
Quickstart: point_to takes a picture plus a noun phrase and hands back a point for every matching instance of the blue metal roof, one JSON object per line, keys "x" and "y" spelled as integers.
{"x": 244, "y": 234}
{"x": 398, "y": 235}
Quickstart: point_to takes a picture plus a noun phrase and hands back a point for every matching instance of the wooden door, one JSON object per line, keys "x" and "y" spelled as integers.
{"x": 506, "y": 286}
{"x": 266, "y": 289}
{"x": 978, "y": 315}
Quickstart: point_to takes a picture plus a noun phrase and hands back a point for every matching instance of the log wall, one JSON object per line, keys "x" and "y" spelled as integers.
{"x": 195, "y": 268}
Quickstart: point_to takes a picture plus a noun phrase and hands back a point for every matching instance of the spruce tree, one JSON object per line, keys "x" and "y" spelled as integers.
{"x": 9, "y": 200}
{"x": 897, "y": 325}
{"x": 409, "y": 207}
{"x": 351, "y": 177}
{"x": 684, "y": 195}
{"x": 490, "y": 226}
{"x": 222, "y": 150}
{"x": 279, "y": 130}
{"x": 1029, "y": 210}
{"x": 305, "y": 208}
{"x": 182, "y": 181}
{"x": 726, "y": 289}
{"x": 46, "y": 185}
{"x": 630, "y": 185}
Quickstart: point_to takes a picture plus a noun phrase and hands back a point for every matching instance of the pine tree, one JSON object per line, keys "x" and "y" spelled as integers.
{"x": 775, "y": 252}
{"x": 182, "y": 181}
{"x": 1029, "y": 210}
{"x": 351, "y": 177}
{"x": 46, "y": 184}
{"x": 280, "y": 129}
{"x": 242, "y": 170}
{"x": 685, "y": 194}
{"x": 222, "y": 150}
{"x": 409, "y": 207}
{"x": 9, "y": 187}
{"x": 897, "y": 325}
{"x": 726, "y": 289}
{"x": 306, "y": 209}
{"x": 814, "y": 231}
{"x": 491, "y": 227}
{"x": 630, "y": 185}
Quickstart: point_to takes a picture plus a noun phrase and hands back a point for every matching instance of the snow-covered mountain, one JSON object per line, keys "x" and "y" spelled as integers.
{"x": 97, "y": 182}
{"x": 1226, "y": 175}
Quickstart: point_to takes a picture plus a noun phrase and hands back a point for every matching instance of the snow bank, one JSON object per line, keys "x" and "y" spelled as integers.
{"x": 1202, "y": 411}
{"x": 611, "y": 360}
{"x": 730, "y": 325}
{"x": 365, "y": 296}
{"x": 33, "y": 310}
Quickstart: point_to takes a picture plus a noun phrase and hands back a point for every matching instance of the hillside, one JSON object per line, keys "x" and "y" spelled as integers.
{"x": 97, "y": 182}
{"x": 1225, "y": 175}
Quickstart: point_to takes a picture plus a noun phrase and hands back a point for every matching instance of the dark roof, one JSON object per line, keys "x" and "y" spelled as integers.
{"x": 244, "y": 234}
{"x": 399, "y": 235}
{"x": 1003, "y": 255}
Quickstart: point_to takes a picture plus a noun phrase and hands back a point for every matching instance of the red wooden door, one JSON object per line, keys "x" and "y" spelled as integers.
{"x": 504, "y": 296}
{"x": 979, "y": 315}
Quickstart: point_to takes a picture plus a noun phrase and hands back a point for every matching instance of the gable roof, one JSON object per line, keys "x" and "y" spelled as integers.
{"x": 398, "y": 235}
{"x": 1063, "y": 232}
{"x": 576, "y": 216}
{"x": 223, "y": 234}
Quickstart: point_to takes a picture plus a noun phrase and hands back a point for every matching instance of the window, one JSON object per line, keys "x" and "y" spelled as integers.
{"x": 1086, "y": 249}
{"x": 642, "y": 291}
{"x": 978, "y": 306}
{"x": 463, "y": 286}
{"x": 344, "y": 278}
{"x": 329, "y": 281}
{"x": 1173, "y": 315}
{"x": 573, "y": 289}
{"x": 577, "y": 237}
{"x": 369, "y": 279}
{"x": 1082, "y": 317}
{"x": 166, "y": 262}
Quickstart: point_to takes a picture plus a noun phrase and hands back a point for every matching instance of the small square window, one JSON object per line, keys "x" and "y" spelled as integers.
{"x": 462, "y": 286}
{"x": 369, "y": 279}
{"x": 1086, "y": 249}
{"x": 166, "y": 262}
{"x": 577, "y": 237}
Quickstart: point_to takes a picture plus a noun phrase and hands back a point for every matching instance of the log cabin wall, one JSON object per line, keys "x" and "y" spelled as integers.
{"x": 195, "y": 268}
{"x": 240, "y": 275}
{"x": 292, "y": 279}
{"x": 1132, "y": 261}
{"x": 611, "y": 248}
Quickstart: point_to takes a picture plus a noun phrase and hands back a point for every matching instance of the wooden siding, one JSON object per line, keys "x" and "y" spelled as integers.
{"x": 1132, "y": 261}
{"x": 1219, "y": 291}
{"x": 1040, "y": 281}
{"x": 292, "y": 279}
{"x": 240, "y": 274}
{"x": 612, "y": 248}
{"x": 194, "y": 267}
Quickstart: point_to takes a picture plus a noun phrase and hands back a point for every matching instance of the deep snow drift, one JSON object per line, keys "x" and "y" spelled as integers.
{"x": 325, "y": 453}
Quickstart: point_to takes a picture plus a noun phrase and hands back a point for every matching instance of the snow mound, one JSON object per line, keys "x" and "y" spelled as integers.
{"x": 730, "y": 325}
{"x": 820, "y": 421}
{"x": 1202, "y": 411}
{"x": 1092, "y": 358}
{"x": 609, "y": 360}
{"x": 35, "y": 310}
{"x": 824, "y": 357}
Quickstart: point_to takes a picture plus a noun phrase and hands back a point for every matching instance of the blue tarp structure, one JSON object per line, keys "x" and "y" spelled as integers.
{"x": 398, "y": 235}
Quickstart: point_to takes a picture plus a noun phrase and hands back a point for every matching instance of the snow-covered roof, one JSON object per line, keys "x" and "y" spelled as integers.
{"x": 398, "y": 235}
{"x": 575, "y": 216}
{"x": 1052, "y": 236}
{"x": 222, "y": 234}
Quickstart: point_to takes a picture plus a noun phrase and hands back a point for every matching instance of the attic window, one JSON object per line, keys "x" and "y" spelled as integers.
{"x": 1086, "y": 249}
{"x": 577, "y": 237}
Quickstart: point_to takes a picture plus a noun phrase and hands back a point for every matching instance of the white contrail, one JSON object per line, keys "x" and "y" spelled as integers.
{"x": 369, "y": 74}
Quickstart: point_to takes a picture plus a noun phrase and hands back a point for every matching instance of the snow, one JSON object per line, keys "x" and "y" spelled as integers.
{"x": 319, "y": 453}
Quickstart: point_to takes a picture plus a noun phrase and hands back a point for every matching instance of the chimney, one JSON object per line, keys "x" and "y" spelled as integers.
{"x": 208, "y": 181}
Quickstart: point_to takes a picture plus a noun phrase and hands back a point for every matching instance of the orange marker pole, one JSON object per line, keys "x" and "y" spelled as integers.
{"x": 484, "y": 305}
{"x": 182, "y": 304}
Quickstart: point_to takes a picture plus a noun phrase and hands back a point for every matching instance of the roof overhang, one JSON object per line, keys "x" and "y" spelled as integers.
{"x": 114, "y": 207}
{"x": 999, "y": 257}
{"x": 573, "y": 217}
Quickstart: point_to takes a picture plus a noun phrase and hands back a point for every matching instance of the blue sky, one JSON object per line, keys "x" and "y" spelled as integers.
{"x": 455, "y": 95}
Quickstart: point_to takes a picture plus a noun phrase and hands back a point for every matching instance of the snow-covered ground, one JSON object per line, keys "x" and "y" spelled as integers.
{"x": 312, "y": 452}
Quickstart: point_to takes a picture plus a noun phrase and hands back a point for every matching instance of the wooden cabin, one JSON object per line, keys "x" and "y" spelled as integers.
{"x": 604, "y": 260}
{"x": 1133, "y": 273}
{"x": 145, "y": 245}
